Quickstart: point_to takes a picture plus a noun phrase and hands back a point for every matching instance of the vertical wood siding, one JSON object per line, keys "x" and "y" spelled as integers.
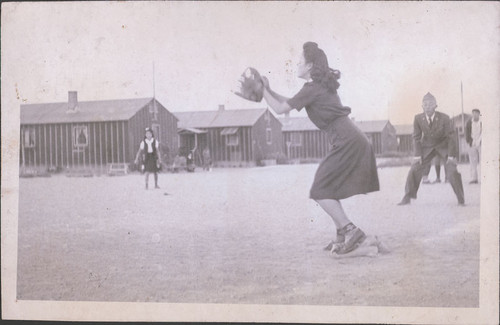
{"x": 220, "y": 152}
{"x": 314, "y": 144}
{"x": 143, "y": 119}
{"x": 405, "y": 143}
{"x": 263, "y": 149}
{"x": 54, "y": 145}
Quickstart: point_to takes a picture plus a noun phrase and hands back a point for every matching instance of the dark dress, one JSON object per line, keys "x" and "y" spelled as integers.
{"x": 150, "y": 158}
{"x": 349, "y": 167}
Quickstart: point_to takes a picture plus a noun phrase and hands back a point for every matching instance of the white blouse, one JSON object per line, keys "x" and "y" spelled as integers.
{"x": 150, "y": 145}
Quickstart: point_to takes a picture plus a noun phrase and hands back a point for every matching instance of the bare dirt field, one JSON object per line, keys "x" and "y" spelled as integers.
{"x": 244, "y": 236}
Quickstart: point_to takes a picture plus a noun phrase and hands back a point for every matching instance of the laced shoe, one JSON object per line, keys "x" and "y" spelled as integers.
{"x": 340, "y": 239}
{"x": 353, "y": 237}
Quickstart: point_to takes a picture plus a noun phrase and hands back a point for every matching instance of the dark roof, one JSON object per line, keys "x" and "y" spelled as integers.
{"x": 90, "y": 111}
{"x": 190, "y": 131}
{"x": 372, "y": 126}
{"x": 305, "y": 124}
{"x": 459, "y": 116}
{"x": 202, "y": 119}
{"x": 219, "y": 118}
{"x": 402, "y": 129}
{"x": 457, "y": 120}
{"x": 297, "y": 124}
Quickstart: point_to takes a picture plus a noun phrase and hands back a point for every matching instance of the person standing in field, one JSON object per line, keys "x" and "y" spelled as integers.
{"x": 349, "y": 168}
{"x": 437, "y": 166}
{"x": 207, "y": 161}
{"x": 433, "y": 136}
{"x": 473, "y": 136}
{"x": 150, "y": 149}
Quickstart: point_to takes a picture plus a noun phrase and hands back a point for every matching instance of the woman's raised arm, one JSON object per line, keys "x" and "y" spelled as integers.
{"x": 276, "y": 101}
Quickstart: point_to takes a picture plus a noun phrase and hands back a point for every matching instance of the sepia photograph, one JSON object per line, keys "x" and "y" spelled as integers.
{"x": 313, "y": 162}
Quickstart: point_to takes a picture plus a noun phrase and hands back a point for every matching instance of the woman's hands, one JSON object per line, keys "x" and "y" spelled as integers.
{"x": 277, "y": 102}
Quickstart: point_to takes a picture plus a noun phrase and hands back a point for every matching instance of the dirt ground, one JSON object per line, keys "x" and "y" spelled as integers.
{"x": 244, "y": 236}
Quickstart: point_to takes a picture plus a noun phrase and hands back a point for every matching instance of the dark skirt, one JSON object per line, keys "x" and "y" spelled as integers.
{"x": 349, "y": 167}
{"x": 150, "y": 163}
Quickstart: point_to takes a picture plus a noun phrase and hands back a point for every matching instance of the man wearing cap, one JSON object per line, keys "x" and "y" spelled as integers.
{"x": 433, "y": 136}
{"x": 473, "y": 130}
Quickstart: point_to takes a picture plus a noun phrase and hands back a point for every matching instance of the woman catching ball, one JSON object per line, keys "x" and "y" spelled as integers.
{"x": 349, "y": 168}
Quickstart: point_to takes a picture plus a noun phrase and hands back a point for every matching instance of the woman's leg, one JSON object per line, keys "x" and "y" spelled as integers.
{"x": 348, "y": 235}
{"x": 437, "y": 166}
{"x": 335, "y": 211}
{"x": 147, "y": 179}
{"x": 156, "y": 180}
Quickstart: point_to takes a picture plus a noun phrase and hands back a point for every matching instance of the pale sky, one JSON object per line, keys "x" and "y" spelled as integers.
{"x": 390, "y": 53}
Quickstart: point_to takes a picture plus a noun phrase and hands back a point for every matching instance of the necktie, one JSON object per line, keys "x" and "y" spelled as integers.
{"x": 430, "y": 122}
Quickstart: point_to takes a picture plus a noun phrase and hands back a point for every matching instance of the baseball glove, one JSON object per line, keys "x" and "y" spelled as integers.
{"x": 250, "y": 85}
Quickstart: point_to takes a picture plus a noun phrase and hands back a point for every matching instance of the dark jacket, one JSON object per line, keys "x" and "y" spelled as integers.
{"x": 441, "y": 137}
{"x": 145, "y": 151}
{"x": 468, "y": 131}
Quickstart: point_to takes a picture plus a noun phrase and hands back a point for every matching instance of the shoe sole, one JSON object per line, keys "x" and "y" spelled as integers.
{"x": 328, "y": 247}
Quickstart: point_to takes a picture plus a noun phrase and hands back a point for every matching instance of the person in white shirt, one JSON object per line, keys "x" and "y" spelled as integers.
{"x": 473, "y": 131}
{"x": 150, "y": 149}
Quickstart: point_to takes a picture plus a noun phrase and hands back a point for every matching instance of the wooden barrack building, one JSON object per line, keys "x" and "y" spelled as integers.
{"x": 404, "y": 136}
{"x": 381, "y": 134}
{"x": 91, "y": 134}
{"x": 241, "y": 137}
{"x": 303, "y": 140}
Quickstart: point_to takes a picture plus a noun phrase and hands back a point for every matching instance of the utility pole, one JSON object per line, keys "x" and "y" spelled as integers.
{"x": 462, "y": 95}
{"x": 154, "y": 88}
{"x": 463, "y": 120}
{"x": 155, "y": 109}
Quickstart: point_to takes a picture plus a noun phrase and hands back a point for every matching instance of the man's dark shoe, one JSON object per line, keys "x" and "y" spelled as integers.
{"x": 405, "y": 201}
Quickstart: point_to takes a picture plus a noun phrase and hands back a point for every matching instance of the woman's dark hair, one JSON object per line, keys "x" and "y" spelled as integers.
{"x": 320, "y": 71}
{"x": 149, "y": 130}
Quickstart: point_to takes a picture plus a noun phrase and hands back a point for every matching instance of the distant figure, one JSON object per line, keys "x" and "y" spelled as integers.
{"x": 434, "y": 136}
{"x": 189, "y": 162}
{"x": 207, "y": 160}
{"x": 437, "y": 166}
{"x": 150, "y": 150}
{"x": 473, "y": 132}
